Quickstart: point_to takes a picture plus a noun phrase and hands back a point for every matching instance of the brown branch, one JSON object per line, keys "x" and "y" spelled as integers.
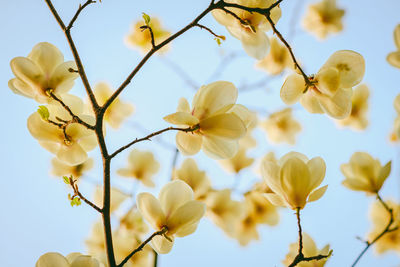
{"x": 141, "y": 246}
{"x": 211, "y": 7}
{"x": 146, "y": 27}
{"x": 147, "y": 137}
{"x": 210, "y": 31}
{"x": 75, "y": 118}
{"x": 75, "y": 53}
{"x": 77, "y": 193}
{"x": 300, "y": 256}
{"x": 81, "y": 7}
{"x": 155, "y": 262}
{"x": 386, "y": 230}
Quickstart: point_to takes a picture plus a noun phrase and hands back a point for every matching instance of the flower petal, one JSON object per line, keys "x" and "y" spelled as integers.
{"x": 72, "y": 154}
{"x": 276, "y": 199}
{"x": 188, "y": 143}
{"x": 213, "y": 97}
{"x": 181, "y": 118}
{"x": 338, "y": 106}
{"x": 394, "y": 59}
{"x": 383, "y": 174}
{"x": 62, "y": 79}
{"x": 292, "y": 89}
{"x": 26, "y": 70}
{"x": 52, "y": 259}
{"x": 219, "y": 148}
{"x": 183, "y": 105}
{"x": 150, "y": 209}
{"x": 396, "y": 36}
{"x": 328, "y": 81}
{"x": 225, "y": 125}
{"x": 317, "y": 194}
{"x": 161, "y": 244}
{"x": 310, "y": 102}
{"x": 317, "y": 170}
{"x": 173, "y": 195}
{"x": 188, "y": 214}
{"x": 256, "y": 46}
{"x": 47, "y": 56}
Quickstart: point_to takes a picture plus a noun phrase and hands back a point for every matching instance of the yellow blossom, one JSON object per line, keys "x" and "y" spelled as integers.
{"x": 364, "y": 173}
{"x": 323, "y": 18}
{"x": 117, "y": 197}
{"x": 331, "y": 88}
{"x": 309, "y": 250}
{"x": 396, "y": 126}
{"x": 133, "y": 222}
{"x": 175, "y": 210}
{"x": 142, "y": 166}
{"x": 263, "y": 211}
{"x": 60, "y": 168}
{"x": 42, "y": 71}
{"x": 54, "y": 259}
{"x": 70, "y": 145}
{"x": 195, "y": 178}
{"x": 118, "y": 111}
{"x": 238, "y": 162}
{"x": 294, "y": 179}
{"x": 224, "y": 211}
{"x": 281, "y": 127}
{"x": 217, "y": 122}
{"x": 277, "y": 59}
{"x": 141, "y": 39}
{"x": 252, "y": 34}
{"x": 359, "y": 107}
{"x": 394, "y": 57}
{"x": 245, "y": 226}
{"x": 380, "y": 218}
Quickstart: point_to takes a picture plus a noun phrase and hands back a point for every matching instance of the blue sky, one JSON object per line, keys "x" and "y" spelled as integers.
{"x": 36, "y": 216}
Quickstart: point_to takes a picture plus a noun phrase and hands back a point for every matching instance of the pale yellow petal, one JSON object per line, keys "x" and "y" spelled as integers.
{"x": 62, "y": 79}
{"x": 394, "y": 59}
{"x": 181, "y": 118}
{"x": 72, "y": 154}
{"x": 317, "y": 170}
{"x": 42, "y": 130}
{"x": 292, "y": 89}
{"x": 47, "y": 56}
{"x": 310, "y": 102}
{"x": 383, "y": 174}
{"x": 188, "y": 143}
{"x": 187, "y": 230}
{"x": 396, "y": 36}
{"x": 183, "y": 105}
{"x": 20, "y": 87}
{"x": 225, "y": 125}
{"x": 328, "y": 81}
{"x": 317, "y": 194}
{"x": 188, "y": 214}
{"x": 338, "y": 106}
{"x": 151, "y": 210}
{"x": 270, "y": 172}
{"x": 161, "y": 244}
{"x": 256, "y": 45}
{"x": 86, "y": 261}
{"x": 26, "y": 70}
{"x": 276, "y": 199}
{"x": 219, "y": 148}
{"x": 52, "y": 259}
{"x": 173, "y": 195}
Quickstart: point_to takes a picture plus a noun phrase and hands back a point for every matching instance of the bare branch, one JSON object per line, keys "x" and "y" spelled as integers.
{"x": 137, "y": 140}
{"x": 81, "y": 7}
{"x": 74, "y": 186}
{"x": 141, "y": 246}
{"x": 210, "y": 31}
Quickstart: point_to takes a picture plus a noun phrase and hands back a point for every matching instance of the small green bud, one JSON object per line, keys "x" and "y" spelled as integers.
{"x": 146, "y": 18}
{"x": 43, "y": 112}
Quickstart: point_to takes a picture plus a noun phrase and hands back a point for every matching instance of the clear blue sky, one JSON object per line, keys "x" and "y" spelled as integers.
{"x": 36, "y": 216}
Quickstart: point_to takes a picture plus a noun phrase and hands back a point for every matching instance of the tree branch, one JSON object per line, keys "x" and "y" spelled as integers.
{"x": 201, "y": 26}
{"x": 77, "y": 193}
{"x": 137, "y": 140}
{"x": 141, "y": 246}
{"x": 81, "y": 7}
{"x": 387, "y": 229}
{"x": 300, "y": 256}
{"x": 75, "y": 118}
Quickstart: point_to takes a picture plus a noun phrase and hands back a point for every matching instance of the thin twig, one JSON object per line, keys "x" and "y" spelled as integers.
{"x": 81, "y": 7}
{"x": 141, "y": 246}
{"x": 147, "y": 27}
{"x": 386, "y": 230}
{"x": 155, "y": 262}
{"x": 210, "y": 31}
{"x": 75, "y": 118}
{"x": 78, "y": 193}
{"x": 147, "y": 137}
{"x": 300, "y": 256}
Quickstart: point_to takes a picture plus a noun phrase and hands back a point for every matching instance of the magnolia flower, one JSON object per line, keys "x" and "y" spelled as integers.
{"x": 309, "y": 250}
{"x": 252, "y": 34}
{"x": 359, "y": 107}
{"x": 281, "y": 127}
{"x": 175, "y": 210}
{"x": 224, "y": 211}
{"x": 54, "y": 259}
{"x": 117, "y": 111}
{"x": 142, "y": 166}
{"x": 323, "y": 18}
{"x": 70, "y": 143}
{"x": 294, "y": 179}
{"x": 394, "y": 57}
{"x": 380, "y": 218}
{"x": 60, "y": 168}
{"x": 238, "y": 162}
{"x": 277, "y": 59}
{"x": 245, "y": 227}
{"x": 133, "y": 222}
{"x": 117, "y": 197}
{"x": 141, "y": 39}
{"x": 331, "y": 87}
{"x": 262, "y": 210}
{"x": 195, "y": 178}
{"x": 363, "y": 173}
{"x": 216, "y": 122}
{"x": 396, "y": 126}
{"x": 41, "y": 72}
